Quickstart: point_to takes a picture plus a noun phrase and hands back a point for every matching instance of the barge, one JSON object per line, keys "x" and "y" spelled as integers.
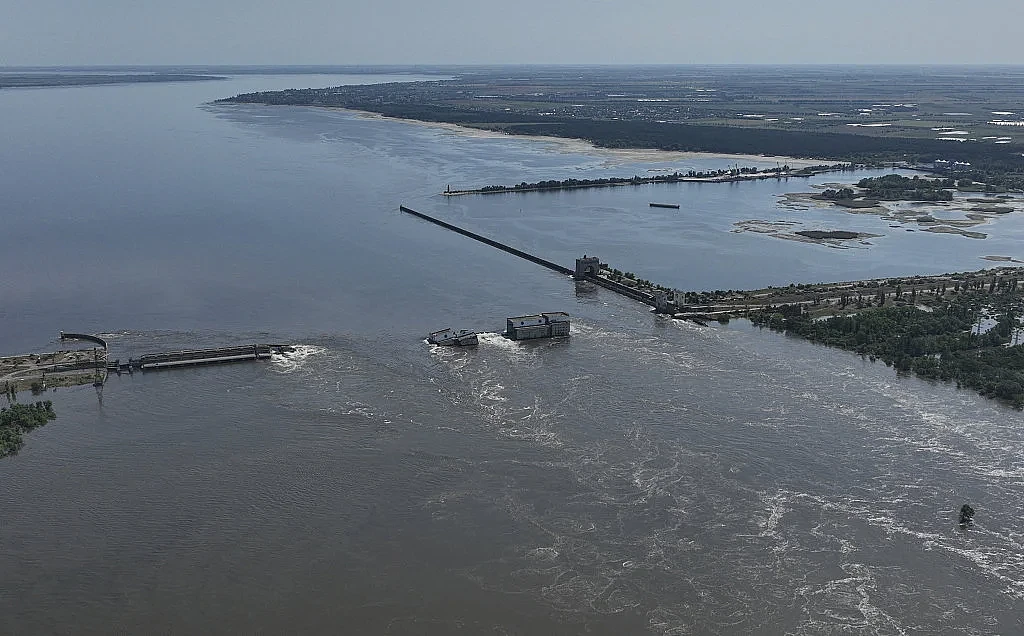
{"x": 674, "y": 206}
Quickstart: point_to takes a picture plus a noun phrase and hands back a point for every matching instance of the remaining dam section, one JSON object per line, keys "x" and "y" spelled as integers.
{"x": 546, "y": 325}
{"x": 196, "y": 357}
{"x": 554, "y": 324}
{"x": 699, "y": 306}
{"x": 590, "y": 268}
{"x": 41, "y": 371}
{"x": 67, "y": 335}
{"x": 817, "y": 299}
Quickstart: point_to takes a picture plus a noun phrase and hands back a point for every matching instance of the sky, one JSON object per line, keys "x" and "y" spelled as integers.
{"x": 134, "y": 32}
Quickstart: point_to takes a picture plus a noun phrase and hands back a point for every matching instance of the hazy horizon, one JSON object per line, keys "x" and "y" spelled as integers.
{"x": 350, "y": 68}
{"x": 459, "y": 32}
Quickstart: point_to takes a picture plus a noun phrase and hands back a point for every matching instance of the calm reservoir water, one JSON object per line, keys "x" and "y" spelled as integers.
{"x": 642, "y": 477}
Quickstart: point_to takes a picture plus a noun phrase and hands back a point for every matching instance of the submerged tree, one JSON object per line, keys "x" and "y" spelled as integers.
{"x": 966, "y": 515}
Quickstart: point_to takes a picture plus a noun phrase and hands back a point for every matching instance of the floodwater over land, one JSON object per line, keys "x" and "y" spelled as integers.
{"x": 643, "y": 476}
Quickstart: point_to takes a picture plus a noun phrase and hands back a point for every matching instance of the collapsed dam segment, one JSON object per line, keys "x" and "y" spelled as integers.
{"x": 67, "y": 335}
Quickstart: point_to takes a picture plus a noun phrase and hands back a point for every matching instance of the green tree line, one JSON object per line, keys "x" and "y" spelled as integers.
{"x": 555, "y": 184}
{"x": 943, "y": 344}
{"x": 409, "y": 101}
{"x": 21, "y": 418}
{"x": 894, "y": 187}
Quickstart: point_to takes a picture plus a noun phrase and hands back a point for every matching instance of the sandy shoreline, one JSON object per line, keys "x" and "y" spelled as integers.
{"x": 579, "y": 146}
{"x": 915, "y": 216}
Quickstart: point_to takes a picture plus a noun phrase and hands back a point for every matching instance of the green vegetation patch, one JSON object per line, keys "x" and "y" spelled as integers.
{"x": 893, "y": 187}
{"x": 731, "y": 174}
{"x": 865, "y": 116}
{"x": 21, "y": 418}
{"x": 828, "y": 234}
{"x": 941, "y": 344}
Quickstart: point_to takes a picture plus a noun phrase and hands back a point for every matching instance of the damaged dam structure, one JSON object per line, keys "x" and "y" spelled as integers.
{"x": 547, "y": 325}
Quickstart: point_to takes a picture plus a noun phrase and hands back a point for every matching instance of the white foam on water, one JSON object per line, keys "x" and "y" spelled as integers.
{"x": 995, "y": 555}
{"x": 639, "y": 494}
{"x": 1017, "y": 473}
{"x": 353, "y": 408}
{"x": 113, "y": 335}
{"x": 490, "y": 392}
{"x": 543, "y": 554}
{"x": 527, "y": 422}
{"x": 519, "y": 351}
{"x": 454, "y": 357}
{"x": 776, "y": 509}
{"x": 846, "y": 603}
{"x": 498, "y": 340}
{"x": 291, "y": 361}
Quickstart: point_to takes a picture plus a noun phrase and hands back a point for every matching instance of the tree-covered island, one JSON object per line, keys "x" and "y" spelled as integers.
{"x": 893, "y": 187}
{"x": 868, "y": 192}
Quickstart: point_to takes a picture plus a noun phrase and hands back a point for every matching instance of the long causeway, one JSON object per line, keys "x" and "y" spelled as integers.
{"x": 483, "y": 239}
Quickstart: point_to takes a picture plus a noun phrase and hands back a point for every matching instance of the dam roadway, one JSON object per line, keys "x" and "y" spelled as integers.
{"x": 819, "y": 298}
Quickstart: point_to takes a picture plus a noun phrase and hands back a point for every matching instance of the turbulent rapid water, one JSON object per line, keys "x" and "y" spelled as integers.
{"x": 642, "y": 476}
